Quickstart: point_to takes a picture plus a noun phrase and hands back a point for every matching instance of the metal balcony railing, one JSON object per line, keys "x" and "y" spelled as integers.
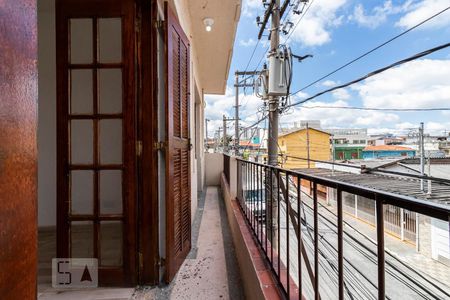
{"x": 282, "y": 208}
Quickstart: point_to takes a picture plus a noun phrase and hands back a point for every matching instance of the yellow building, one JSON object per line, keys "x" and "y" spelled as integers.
{"x": 296, "y": 144}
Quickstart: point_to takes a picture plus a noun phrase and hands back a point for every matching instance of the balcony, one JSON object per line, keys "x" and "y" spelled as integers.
{"x": 209, "y": 272}
{"x": 319, "y": 244}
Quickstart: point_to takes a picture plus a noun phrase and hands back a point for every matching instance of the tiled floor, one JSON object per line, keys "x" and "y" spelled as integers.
{"x": 209, "y": 272}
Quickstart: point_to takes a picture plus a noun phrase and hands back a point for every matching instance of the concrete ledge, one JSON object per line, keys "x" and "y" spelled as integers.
{"x": 257, "y": 276}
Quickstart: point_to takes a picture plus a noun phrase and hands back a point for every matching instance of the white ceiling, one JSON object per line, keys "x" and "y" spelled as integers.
{"x": 215, "y": 48}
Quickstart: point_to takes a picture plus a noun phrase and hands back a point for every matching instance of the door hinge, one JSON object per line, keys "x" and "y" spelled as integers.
{"x": 159, "y": 24}
{"x": 141, "y": 261}
{"x": 138, "y": 148}
{"x": 159, "y": 146}
{"x": 161, "y": 262}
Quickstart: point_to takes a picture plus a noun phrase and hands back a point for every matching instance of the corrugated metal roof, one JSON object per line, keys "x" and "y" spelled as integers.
{"x": 393, "y": 184}
{"x": 387, "y": 148}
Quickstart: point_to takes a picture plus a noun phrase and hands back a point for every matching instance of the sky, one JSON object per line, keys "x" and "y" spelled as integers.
{"x": 335, "y": 32}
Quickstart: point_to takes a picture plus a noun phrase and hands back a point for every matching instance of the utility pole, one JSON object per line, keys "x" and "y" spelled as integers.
{"x": 206, "y": 133}
{"x": 236, "y": 117}
{"x": 333, "y": 154}
{"x": 422, "y": 172}
{"x": 307, "y": 144}
{"x": 238, "y": 85}
{"x": 422, "y": 155}
{"x": 225, "y": 139}
{"x": 272, "y": 147}
{"x": 218, "y": 139}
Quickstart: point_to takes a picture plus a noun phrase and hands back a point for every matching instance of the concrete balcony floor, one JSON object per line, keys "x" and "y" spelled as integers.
{"x": 210, "y": 271}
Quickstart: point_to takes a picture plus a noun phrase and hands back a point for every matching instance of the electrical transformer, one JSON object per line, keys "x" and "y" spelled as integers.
{"x": 279, "y": 74}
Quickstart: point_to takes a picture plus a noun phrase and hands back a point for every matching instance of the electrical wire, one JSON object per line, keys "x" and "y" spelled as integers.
{"x": 251, "y": 56}
{"x": 292, "y": 30}
{"x": 374, "y": 49}
{"x": 377, "y": 109}
{"x": 373, "y": 73}
{"x": 298, "y": 22}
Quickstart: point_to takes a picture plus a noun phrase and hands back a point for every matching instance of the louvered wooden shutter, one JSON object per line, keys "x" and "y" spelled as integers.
{"x": 178, "y": 177}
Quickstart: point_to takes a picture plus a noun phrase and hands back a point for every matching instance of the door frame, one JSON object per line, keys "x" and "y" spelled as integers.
{"x": 65, "y": 9}
{"x": 148, "y": 191}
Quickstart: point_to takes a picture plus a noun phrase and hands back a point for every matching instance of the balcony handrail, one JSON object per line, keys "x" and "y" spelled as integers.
{"x": 270, "y": 186}
{"x": 376, "y": 169}
{"x": 431, "y": 209}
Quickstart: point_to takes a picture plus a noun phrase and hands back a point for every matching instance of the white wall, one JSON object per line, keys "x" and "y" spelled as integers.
{"x": 213, "y": 168}
{"x": 47, "y": 114}
{"x": 440, "y": 239}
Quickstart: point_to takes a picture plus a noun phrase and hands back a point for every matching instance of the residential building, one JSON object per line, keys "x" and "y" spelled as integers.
{"x": 385, "y": 139}
{"x": 120, "y": 135}
{"x": 434, "y": 146}
{"x": 387, "y": 151}
{"x": 297, "y": 146}
{"x": 348, "y": 143}
{"x": 444, "y": 146}
{"x": 121, "y": 176}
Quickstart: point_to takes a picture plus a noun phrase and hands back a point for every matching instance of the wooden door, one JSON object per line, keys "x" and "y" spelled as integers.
{"x": 178, "y": 177}
{"x": 18, "y": 149}
{"x": 96, "y": 136}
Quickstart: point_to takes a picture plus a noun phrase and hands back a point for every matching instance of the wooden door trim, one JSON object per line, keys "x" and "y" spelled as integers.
{"x": 148, "y": 134}
{"x": 66, "y": 9}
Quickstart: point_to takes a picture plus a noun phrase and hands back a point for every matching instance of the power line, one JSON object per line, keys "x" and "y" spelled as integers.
{"x": 374, "y": 49}
{"x": 292, "y": 30}
{"x": 373, "y": 73}
{"x": 298, "y": 22}
{"x": 378, "y": 109}
{"x": 251, "y": 56}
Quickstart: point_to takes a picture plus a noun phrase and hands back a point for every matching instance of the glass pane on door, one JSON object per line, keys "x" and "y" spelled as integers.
{"x": 81, "y": 92}
{"x": 111, "y": 240}
{"x": 81, "y": 141}
{"x": 82, "y": 239}
{"x": 82, "y": 192}
{"x": 110, "y": 91}
{"x": 110, "y": 142}
{"x": 81, "y": 39}
{"x": 110, "y": 40}
{"x": 110, "y": 192}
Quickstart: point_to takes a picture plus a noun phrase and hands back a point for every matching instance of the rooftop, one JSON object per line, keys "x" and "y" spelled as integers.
{"x": 392, "y": 184}
{"x": 387, "y": 148}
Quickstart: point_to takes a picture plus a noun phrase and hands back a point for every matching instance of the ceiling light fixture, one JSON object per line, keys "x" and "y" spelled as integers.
{"x": 208, "y": 24}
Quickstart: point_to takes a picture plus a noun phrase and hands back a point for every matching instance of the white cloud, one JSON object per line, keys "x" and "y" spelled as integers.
{"x": 250, "y": 7}
{"x": 339, "y": 118}
{"x": 219, "y": 105}
{"x": 329, "y": 83}
{"x": 418, "y": 84}
{"x": 247, "y": 43}
{"x": 378, "y": 14}
{"x": 423, "y": 10}
{"x": 341, "y": 94}
{"x": 315, "y": 27}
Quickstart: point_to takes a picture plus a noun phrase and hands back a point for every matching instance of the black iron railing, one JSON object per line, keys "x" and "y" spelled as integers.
{"x": 282, "y": 208}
